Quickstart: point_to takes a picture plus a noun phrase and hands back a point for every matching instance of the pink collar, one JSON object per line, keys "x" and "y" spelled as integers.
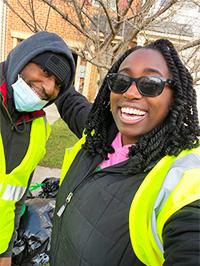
{"x": 120, "y": 154}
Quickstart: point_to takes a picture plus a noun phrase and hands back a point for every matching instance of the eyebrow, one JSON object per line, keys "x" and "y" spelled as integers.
{"x": 153, "y": 70}
{"x": 146, "y": 70}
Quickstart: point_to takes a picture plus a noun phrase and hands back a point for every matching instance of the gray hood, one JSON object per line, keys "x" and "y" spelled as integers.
{"x": 38, "y": 43}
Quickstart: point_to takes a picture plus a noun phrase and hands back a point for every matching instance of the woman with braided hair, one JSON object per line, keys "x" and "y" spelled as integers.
{"x": 129, "y": 191}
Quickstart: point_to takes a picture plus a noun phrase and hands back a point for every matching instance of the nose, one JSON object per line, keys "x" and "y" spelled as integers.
{"x": 50, "y": 87}
{"x": 132, "y": 92}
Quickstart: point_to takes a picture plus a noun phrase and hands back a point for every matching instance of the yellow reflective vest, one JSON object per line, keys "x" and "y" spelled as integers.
{"x": 14, "y": 184}
{"x": 173, "y": 183}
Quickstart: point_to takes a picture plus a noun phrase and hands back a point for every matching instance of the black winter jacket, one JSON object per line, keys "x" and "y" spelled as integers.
{"x": 93, "y": 230}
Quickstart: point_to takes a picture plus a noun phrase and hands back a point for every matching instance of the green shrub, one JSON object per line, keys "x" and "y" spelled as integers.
{"x": 61, "y": 138}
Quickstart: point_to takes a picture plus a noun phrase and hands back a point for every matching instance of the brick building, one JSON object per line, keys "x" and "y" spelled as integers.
{"x": 13, "y": 30}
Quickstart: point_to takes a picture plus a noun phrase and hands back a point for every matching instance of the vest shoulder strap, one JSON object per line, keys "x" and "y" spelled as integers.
{"x": 70, "y": 154}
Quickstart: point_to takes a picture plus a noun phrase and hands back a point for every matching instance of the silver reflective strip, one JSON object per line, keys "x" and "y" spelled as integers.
{"x": 174, "y": 175}
{"x": 45, "y": 123}
{"x": 13, "y": 193}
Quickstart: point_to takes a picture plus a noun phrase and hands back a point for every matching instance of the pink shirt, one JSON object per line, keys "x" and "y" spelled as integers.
{"x": 120, "y": 154}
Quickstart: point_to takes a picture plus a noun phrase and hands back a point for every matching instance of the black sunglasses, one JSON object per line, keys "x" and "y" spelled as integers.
{"x": 150, "y": 86}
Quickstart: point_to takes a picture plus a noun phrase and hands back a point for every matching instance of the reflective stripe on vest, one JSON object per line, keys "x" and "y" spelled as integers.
{"x": 70, "y": 155}
{"x": 14, "y": 184}
{"x": 13, "y": 193}
{"x": 175, "y": 183}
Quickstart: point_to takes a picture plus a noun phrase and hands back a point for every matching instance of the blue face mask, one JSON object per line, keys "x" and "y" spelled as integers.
{"x": 25, "y": 99}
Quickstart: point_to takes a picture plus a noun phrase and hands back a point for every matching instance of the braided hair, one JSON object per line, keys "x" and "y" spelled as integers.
{"x": 179, "y": 131}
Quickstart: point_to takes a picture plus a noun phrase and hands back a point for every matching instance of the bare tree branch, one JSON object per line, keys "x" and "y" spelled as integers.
{"x": 190, "y": 45}
{"x": 48, "y": 17}
{"x": 88, "y": 17}
{"x": 196, "y": 2}
{"x": 106, "y": 31}
{"x": 36, "y": 25}
{"x": 31, "y": 5}
{"x": 125, "y": 11}
{"x": 78, "y": 13}
{"x": 141, "y": 24}
{"x": 28, "y": 25}
{"x": 68, "y": 19}
{"x": 108, "y": 17}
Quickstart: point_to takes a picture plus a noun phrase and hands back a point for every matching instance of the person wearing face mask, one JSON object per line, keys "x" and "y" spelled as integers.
{"x": 36, "y": 72}
{"x": 130, "y": 187}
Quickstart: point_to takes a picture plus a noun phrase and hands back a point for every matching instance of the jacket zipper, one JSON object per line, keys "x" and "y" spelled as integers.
{"x": 71, "y": 194}
{"x": 65, "y": 204}
{"x": 63, "y": 207}
{"x": 8, "y": 114}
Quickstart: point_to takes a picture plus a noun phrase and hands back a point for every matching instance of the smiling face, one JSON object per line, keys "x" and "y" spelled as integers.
{"x": 44, "y": 84}
{"x": 134, "y": 114}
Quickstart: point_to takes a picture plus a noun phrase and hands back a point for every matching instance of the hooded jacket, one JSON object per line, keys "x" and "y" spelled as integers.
{"x": 38, "y": 43}
{"x": 15, "y": 127}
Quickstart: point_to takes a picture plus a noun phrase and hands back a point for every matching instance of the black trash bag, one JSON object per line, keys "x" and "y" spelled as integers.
{"x": 49, "y": 188}
{"x": 34, "y": 233}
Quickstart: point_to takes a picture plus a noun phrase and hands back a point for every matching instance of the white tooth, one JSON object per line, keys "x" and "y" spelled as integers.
{"x": 123, "y": 109}
{"x": 136, "y": 112}
{"x": 129, "y": 110}
{"x": 132, "y": 118}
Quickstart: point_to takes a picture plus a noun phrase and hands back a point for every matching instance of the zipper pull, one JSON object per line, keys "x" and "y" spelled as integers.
{"x": 63, "y": 207}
